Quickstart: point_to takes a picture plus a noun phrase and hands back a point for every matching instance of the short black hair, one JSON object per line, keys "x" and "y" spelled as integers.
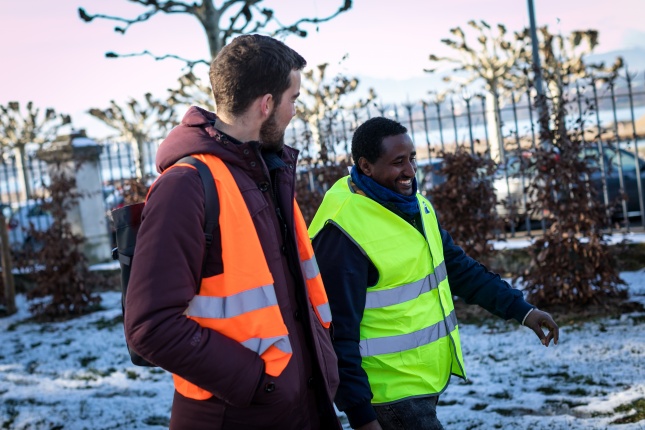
{"x": 368, "y": 137}
{"x": 249, "y": 67}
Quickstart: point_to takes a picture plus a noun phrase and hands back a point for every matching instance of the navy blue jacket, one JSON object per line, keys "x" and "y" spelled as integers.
{"x": 347, "y": 274}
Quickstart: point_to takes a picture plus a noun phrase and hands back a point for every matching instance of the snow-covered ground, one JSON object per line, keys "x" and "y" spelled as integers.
{"x": 76, "y": 375}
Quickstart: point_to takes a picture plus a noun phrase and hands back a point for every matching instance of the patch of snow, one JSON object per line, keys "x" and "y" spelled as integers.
{"x": 77, "y": 374}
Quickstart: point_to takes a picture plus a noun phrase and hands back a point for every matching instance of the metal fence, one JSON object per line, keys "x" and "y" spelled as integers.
{"x": 612, "y": 114}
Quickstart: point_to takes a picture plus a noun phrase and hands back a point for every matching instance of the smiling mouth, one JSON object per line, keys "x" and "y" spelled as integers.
{"x": 405, "y": 182}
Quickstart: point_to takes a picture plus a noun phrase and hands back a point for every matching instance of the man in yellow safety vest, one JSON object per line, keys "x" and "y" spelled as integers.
{"x": 390, "y": 272}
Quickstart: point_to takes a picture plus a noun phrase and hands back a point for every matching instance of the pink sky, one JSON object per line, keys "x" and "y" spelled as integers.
{"x": 51, "y": 57}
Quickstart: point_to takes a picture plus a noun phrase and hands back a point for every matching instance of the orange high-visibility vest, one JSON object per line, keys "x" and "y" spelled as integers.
{"x": 241, "y": 302}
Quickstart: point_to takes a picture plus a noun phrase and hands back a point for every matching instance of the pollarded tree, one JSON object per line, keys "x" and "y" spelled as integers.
{"x": 492, "y": 58}
{"x": 191, "y": 91}
{"x": 321, "y": 100}
{"x": 19, "y": 128}
{"x": 502, "y": 64}
{"x": 138, "y": 123}
{"x": 221, "y": 21}
{"x": 564, "y": 60}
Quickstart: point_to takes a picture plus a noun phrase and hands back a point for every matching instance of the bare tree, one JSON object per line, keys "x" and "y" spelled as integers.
{"x": 492, "y": 58}
{"x": 191, "y": 91}
{"x": 564, "y": 60}
{"x": 502, "y": 64}
{"x": 138, "y": 123}
{"x": 321, "y": 100}
{"x": 221, "y": 22}
{"x": 19, "y": 128}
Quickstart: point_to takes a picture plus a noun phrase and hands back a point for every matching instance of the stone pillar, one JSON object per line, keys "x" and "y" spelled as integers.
{"x": 79, "y": 156}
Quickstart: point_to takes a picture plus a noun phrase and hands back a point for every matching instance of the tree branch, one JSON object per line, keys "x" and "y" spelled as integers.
{"x": 189, "y": 63}
{"x": 294, "y": 27}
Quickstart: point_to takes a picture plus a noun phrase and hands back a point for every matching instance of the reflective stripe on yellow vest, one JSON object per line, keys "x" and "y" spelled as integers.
{"x": 409, "y": 338}
{"x": 241, "y": 303}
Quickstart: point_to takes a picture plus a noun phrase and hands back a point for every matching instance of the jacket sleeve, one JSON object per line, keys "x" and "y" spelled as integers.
{"x": 166, "y": 267}
{"x": 344, "y": 270}
{"x": 474, "y": 283}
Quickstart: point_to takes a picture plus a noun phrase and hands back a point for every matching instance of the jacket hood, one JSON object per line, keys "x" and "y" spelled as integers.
{"x": 195, "y": 135}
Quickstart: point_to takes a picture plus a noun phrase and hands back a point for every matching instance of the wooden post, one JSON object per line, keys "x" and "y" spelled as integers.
{"x": 7, "y": 268}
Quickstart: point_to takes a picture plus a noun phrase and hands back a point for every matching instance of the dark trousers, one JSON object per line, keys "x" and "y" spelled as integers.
{"x": 412, "y": 414}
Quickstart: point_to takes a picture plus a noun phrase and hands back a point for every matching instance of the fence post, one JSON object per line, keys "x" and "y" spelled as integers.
{"x": 7, "y": 268}
{"x": 79, "y": 155}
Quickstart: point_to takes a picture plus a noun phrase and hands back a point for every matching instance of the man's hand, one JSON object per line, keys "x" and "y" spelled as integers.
{"x": 536, "y": 319}
{"x": 372, "y": 425}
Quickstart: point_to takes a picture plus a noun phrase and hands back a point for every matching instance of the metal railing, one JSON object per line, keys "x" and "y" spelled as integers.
{"x": 611, "y": 114}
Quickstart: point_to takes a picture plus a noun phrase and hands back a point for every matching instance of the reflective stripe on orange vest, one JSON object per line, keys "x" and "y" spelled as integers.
{"x": 241, "y": 303}
{"x": 317, "y": 294}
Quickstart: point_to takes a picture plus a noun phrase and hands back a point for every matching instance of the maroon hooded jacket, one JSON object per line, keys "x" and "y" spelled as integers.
{"x": 167, "y": 268}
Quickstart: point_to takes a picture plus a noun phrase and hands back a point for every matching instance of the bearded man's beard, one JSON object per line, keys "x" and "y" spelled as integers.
{"x": 271, "y": 137}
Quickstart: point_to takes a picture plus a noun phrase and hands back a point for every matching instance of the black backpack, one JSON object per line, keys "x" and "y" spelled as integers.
{"x": 126, "y": 224}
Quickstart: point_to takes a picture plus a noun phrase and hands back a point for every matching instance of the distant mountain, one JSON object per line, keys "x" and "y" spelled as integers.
{"x": 401, "y": 90}
{"x": 413, "y": 89}
{"x": 634, "y": 58}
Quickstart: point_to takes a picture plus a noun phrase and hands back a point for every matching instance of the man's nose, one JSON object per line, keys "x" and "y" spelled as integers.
{"x": 410, "y": 169}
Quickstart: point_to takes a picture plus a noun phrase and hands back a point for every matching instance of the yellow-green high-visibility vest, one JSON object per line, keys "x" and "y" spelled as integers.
{"x": 409, "y": 338}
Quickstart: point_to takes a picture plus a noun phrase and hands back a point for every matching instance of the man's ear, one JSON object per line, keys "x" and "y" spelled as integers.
{"x": 365, "y": 166}
{"x": 266, "y": 105}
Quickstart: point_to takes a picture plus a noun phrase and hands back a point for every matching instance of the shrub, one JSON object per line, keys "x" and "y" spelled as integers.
{"x": 465, "y": 202}
{"x": 59, "y": 268}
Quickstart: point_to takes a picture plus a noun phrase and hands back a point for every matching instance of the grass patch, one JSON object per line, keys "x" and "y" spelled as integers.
{"x": 578, "y": 392}
{"x": 515, "y": 412}
{"x": 548, "y": 390}
{"x": 636, "y": 410}
{"x": 93, "y": 374}
{"x": 66, "y": 342}
{"x": 570, "y": 403}
{"x": 479, "y": 407}
{"x": 640, "y": 319}
{"x": 156, "y": 420}
{"x": 105, "y": 323}
{"x": 31, "y": 367}
{"x": 503, "y": 395}
{"x": 562, "y": 375}
{"x": 84, "y": 361}
{"x": 46, "y": 328}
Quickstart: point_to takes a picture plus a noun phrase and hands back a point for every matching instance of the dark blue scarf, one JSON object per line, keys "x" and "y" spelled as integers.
{"x": 406, "y": 204}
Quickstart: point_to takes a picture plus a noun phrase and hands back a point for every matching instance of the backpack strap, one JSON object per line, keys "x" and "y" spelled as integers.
{"x": 211, "y": 204}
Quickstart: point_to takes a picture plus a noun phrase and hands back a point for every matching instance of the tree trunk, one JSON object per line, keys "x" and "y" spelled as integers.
{"x": 24, "y": 186}
{"x": 495, "y": 137}
{"x": 209, "y": 18}
{"x": 137, "y": 155}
